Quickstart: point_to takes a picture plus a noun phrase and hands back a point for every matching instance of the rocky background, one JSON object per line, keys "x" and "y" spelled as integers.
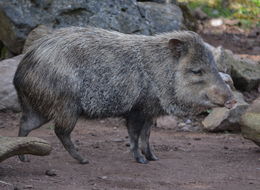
{"x": 19, "y": 17}
{"x": 23, "y": 21}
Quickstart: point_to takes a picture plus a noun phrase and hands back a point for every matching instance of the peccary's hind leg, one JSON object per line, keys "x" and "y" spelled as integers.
{"x": 144, "y": 137}
{"x": 63, "y": 131}
{"x": 134, "y": 123}
{"x": 30, "y": 120}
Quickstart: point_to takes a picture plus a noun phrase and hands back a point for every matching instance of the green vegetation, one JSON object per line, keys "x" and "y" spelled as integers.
{"x": 246, "y": 11}
{"x": 51, "y": 127}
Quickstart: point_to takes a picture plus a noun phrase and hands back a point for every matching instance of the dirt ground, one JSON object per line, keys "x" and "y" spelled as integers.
{"x": 243, "y": 42}
{"x": 188, "y": 160}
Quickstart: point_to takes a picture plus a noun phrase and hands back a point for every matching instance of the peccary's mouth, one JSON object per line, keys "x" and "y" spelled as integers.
{"x": 209, "y": 105}
{"x": 229, "y": 104}
{"x": 214, "y": 105}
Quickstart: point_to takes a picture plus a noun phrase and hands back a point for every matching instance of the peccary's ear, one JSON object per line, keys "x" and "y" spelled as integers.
{"x": 177, "y": 46}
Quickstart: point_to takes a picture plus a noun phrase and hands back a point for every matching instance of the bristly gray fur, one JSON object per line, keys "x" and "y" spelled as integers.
{"x": 104, "y": 73}
{"x": 98, "y": 73}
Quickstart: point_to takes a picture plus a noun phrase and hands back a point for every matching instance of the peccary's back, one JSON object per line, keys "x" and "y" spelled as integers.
{"x": 97, "y": 71}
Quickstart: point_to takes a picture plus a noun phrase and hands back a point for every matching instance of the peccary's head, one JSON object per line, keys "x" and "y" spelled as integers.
{"x": 197, "y": 84}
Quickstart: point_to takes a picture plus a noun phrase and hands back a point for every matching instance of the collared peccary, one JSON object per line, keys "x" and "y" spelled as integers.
{"x": 97, "y": 73}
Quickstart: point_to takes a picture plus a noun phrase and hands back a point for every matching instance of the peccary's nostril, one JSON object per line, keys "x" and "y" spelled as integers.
{"x": 230, "y": 103}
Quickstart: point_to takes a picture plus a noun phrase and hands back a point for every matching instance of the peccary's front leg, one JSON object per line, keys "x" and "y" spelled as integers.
{"x": 134, "y": 123}
{"x": 144, "y": 137}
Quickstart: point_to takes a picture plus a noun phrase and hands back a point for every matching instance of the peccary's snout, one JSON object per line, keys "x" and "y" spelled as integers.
{"x": 221, "y": 96}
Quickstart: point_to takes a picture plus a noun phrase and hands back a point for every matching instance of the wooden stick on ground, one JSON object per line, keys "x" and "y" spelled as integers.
{"x": 11, "y": 146}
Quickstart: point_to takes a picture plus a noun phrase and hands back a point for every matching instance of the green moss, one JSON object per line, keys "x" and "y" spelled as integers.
{"x": 247, "y": 11}
{"x": 3, "y": 51}
{"x": 51, "y": 127}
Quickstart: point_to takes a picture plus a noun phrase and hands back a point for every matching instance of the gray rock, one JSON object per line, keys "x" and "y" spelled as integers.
{"x": 245, "y": 73}
{"x": 215, "y": 118}
{"x": 35, "y": 34}
{"x": 8, "y": 96}
{"x": 222, "y": 119}
{"x": 227, "y": 79}
{"x": 220, "y": 58}
{"x": 18, "y": 18}
{"x": 156, "y": 1}
{"x": 178, "y": 124}
{"x": 250, "y": 122}
{"x": 167, "y": 122}
{"x": 160, "y": 16}
{"x": 188, "y": 121}
{"x": 160, "y": 1}
{"x": 51, "y": 172}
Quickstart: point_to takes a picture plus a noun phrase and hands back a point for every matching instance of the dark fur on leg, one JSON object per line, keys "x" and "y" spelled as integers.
{"x": 30, "y": 120}
{"x": 144, "y": 137}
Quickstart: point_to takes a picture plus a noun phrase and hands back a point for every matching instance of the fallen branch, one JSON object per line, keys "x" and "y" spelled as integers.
{"x": 11, "y": 146}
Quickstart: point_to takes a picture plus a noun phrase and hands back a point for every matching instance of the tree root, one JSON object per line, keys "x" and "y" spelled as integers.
{"x": 11, "y": 146}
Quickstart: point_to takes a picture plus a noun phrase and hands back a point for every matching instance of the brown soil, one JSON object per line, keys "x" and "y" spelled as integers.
{"x": 243, "y": 42}
{"x": 187, "y": 160}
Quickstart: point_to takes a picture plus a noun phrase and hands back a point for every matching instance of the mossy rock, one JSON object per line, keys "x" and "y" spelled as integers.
{"x": 250, "y": 122}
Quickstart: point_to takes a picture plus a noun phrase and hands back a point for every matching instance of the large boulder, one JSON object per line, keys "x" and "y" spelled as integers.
{"x": 160, "y": 17}
{"x": 250, "y": 122}
{"x": 245, "y": 73}
{"x": 35, "y": 34}
{"x": 8, "y": 96}
{"x": 223, "y": 119}
{"x": 18, "y": 18}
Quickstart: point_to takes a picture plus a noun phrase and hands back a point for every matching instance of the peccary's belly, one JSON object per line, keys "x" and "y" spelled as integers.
{"x": 109, "y": 94}
{"x": 103, "y": 105}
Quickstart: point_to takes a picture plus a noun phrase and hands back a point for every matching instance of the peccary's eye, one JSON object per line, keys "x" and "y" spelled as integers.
{"x": 197, "y": 71}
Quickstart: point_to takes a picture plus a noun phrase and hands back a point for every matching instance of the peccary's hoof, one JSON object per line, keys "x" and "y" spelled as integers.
{"x": 23, "y": 158}
{"x": 142, "y": 160}
{"x": 152, "y": 158}
{"x": 84, "y": 161}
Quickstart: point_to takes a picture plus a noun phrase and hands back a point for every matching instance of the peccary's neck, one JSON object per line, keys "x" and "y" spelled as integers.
{"x": 158, "y": 68}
